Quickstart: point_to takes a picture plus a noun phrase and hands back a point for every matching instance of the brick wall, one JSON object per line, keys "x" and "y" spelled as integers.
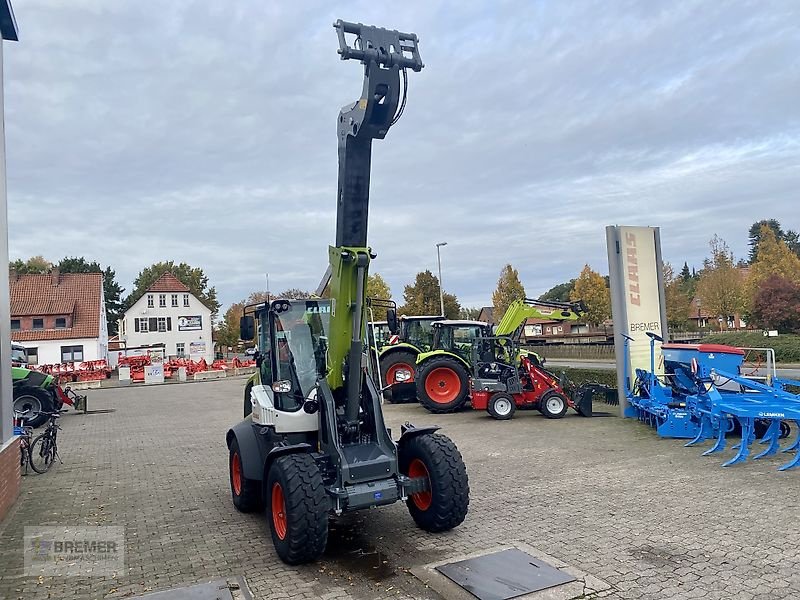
{"x": 9, "y": 477}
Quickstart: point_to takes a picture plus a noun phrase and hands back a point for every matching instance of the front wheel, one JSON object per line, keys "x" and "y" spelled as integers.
{"x": 297, "y": 508}
{"x": 442, "y": 384}
{"x": 445, "y": 503}
{"x": 501, "y": 406}
{"x": 553, "y": 405}
{"x": 42, "y": 453}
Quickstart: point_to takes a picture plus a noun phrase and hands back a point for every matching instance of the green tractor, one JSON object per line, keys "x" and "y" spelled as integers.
{"x": 443, "y": 373}
{"x": 398, "y": 357}
{"x": 34, "y": 392}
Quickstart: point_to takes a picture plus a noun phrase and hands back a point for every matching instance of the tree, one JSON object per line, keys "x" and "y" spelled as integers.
{"x": 678, "y": 302}
{"x": 192, "y": 277}
{"x": 227, "y": 332}
{"x": 560, "y": 292}
{"x": 777, "y": 305}
{"x": 112, "y": 291}
{"x": 379, "y": 289}
{"x": 686, "y": 274}
{"x": 470, "y": 314}
{"x": 756, "y": 230}
{"x": 509, "y": 288}
{"x": 792, "y": 239}
{"x": 721, "y": 285}
{"x": 590, "y": 287}
{"x": 294, "y": 294}
{"x": 773, "y": 257}
{"x": 35, "y": 265}
{"x": 422, "y": 298}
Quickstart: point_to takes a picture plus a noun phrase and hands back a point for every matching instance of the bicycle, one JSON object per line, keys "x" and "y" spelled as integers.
{"x": 26, "y": 435}
{"x": 44, "y": 449}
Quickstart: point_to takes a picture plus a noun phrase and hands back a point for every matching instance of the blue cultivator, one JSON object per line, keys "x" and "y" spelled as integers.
{"x": 703, "y": 395}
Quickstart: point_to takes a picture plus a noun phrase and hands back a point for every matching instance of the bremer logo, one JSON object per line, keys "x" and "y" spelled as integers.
{"x": 633, "y": 269}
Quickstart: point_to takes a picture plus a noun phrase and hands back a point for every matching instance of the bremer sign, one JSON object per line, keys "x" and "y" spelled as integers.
{"x": 637, "y": 294}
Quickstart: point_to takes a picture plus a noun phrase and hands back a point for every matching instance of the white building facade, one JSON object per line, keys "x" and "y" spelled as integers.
{"x": 169, "y": 314}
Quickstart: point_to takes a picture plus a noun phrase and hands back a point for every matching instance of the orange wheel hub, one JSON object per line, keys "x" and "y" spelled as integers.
{"x": 279, "y": 510}
{"x": 422, "y": 500}
{"x": 236, "y": 473}
{"x": 442, "y": 385}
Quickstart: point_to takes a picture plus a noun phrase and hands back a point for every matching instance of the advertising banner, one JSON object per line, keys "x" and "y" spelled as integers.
{"x": 637, "y": 296}
{"x": 192, "y": 323}
{"x": 197, "y": 348}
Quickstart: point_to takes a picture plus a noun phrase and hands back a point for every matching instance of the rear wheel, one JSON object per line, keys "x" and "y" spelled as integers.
{"x": 43, "y": 453}
{"x": 398, "y": 370}
{"x": 553, "y": 405}
{"x": 501, "y": 406}
{"x": 297, "y": 508}
{"x": 445, "y": 503}
{"x": 246, "y": 493}
{"x": 442, "y": 384}
{"x": 33, "y": 402}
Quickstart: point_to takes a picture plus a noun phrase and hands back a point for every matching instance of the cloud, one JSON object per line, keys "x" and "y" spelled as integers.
{"x": 139, "y": 132}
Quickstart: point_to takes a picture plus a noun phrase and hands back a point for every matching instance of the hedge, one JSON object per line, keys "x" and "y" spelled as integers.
{"x": 786, "y": 346}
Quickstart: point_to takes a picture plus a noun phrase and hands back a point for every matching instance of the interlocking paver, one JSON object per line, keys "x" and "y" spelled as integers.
{"x": 651, "y": 518}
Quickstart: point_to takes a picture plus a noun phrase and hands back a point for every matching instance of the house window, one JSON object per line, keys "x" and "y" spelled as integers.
{"x": 186, "y": 299}
{"x": 38, "y": 323}
{"x": 150, "y": 301}
{"x": 61, "y": 322}
{"x": 33, "y": 355}
{"x": 174, "y": 300}
{"x": 15, "y": 324}
{"x": 162, "y": 324}
{"x": 71, "y": 354}
{"x": 141, "y": 325}
{"x": 162, "y": 301}
{"x": 180, "y": 349}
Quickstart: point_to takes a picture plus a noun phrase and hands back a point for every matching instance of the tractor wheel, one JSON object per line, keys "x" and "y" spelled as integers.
{"x": 246, "y": 493}
{"x": 33, "y": 402}
{"x": 297, "y": 508}
{"x": 442, "y": 385}
{"x": 553, "y": 405}
{"x": 501, "y": 406}
{"x": 248, "y": 405}
{"x": 399, "y": 362}
{"x": 444, "y": 505}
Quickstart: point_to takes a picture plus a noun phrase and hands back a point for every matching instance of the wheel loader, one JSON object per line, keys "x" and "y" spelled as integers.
{"x": 315, "y": 445}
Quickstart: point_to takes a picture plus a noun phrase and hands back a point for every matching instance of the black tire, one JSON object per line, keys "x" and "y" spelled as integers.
{"x": 400, "y": 393}
{"x": 501, "y": 406}
{"x": 553, "y": 405}
{"x": 248, "y": 406}
{"x": 246, "y": 493}
{"x": 448, "y": 502}
{"x": 304, "y": 516}
{"x": 36, "y": 401}
{"x": 42, "y": 453}
{"x": 433, "y": 376}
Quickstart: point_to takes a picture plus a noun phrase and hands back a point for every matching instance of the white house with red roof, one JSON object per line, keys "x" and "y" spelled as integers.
{"x": 169, "y": 314}
{"x": 59, "y": 317}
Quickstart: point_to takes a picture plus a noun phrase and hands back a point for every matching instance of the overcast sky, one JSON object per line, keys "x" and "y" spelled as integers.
{"x": 205, "y": 132}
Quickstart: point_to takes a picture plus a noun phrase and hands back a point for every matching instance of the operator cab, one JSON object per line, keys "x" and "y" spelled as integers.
{"x": 457, "y": 336}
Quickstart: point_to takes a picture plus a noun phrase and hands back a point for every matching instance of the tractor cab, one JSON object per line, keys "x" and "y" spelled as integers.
{"x": 418, "y": 331}
{"x": 458, "y": 336}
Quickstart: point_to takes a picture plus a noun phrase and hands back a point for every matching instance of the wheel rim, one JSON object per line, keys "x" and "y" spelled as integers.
{"x": 443, "y": 385}
{"x": 236, "y": 473}
{"x": 392, "y": 371}
{"x": 30, "y": 406}
{"x": 422, "y": 500}
{"x": 502, "y": 406}
{"x": 555, "y": 404}
{"x": 279, "y": 510}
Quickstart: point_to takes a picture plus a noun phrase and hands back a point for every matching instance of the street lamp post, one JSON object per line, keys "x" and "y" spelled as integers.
{"x": 441, "y": 288}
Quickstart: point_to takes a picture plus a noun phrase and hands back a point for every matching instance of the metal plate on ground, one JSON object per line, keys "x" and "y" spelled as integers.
{"x": 219, "y": 589}
{"x": 503, "y": 575}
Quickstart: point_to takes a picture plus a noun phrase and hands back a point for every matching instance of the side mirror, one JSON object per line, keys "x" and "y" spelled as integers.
{"x": 247, "y": 328}
{"x": 391, "y": 320}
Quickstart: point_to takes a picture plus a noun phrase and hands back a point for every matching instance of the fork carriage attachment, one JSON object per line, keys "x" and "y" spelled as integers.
{"x": 703, "y": 396}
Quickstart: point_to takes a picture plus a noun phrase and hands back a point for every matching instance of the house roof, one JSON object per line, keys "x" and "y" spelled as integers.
{"x": 167, "y": 283}
{"x": 76, "y": 294}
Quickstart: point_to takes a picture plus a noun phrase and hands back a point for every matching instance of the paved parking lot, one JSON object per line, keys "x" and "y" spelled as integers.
{"x": 653, "y": 519}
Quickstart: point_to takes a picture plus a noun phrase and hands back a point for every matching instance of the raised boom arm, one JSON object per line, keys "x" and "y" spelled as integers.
{"x": 520, "y": 311}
